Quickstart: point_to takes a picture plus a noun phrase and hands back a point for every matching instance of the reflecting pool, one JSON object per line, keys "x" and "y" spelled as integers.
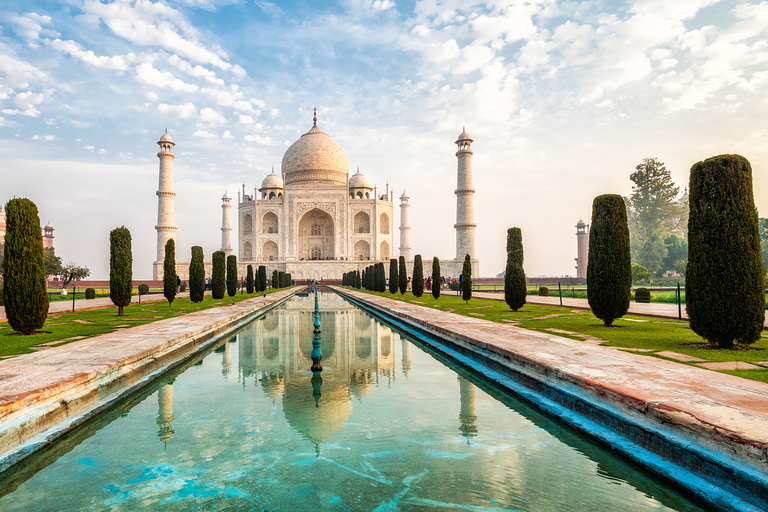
{"x": 386, "y": 426}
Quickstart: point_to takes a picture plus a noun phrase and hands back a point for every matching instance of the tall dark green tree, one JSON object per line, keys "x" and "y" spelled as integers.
{"x": 24, "y": 287}
{"x": 231, "y": 275}
{"x": 364, "y": 280}
{"x": 169, "y": 271}
{"x": 436, "y": 277}
{"x": 402, "y": 276}
{"x": 197, "y": 275}
{"x": 369, "y": 278}
{"x": 120, "y": 268}
{"x": 358, "y": 280}
{"x": 382, "y": 284}
{"x": 514, "y": 275}
{"x": 218, "y": 275}
{"x": 249, "y": 279}
{"x": 609, "y": 269}
{"x": 262, "y": 278}
{"x": 281, "y": 279}
{"x": 724, "y": 279}
{"x": 393, "y": 281}
{"x": 466, "y": 283}
{"x": 275, "y": 283}
{"x": 417, "y": 282}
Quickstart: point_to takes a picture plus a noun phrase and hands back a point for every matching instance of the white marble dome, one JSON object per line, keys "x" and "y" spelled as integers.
{"x": 359, "y": 180}
{"x": 272, "y": 181}
{"x": 315, "y": 157}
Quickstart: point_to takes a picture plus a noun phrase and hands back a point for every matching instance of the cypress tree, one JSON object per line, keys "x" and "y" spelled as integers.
{"x": 436, "y": 277}
{"x": 249, "y": 279}
{"x": 514, "y": 275}
{"x": 275, "y": 283}
{"x": 281, "y": 279}
{"x": 609, "y": 269}
{"x": 120, "y": 268}
{"x": 369, "y": 278}
{"x": 363, "y": 282}
{"x": 382, "y": 278}
{"x": 393, "y": 281}
{"x": 402, "y": 276}
{"x": 724, "y": 278}
{"x": 25, "y": 288}
{"x": 288, "y": 279}
{"x": 197, "y": 275}
{"x": 417, "y": 283}
{"x": 218, "y": 283}
{"x": 262, "y": 278}
{"x": 358, "y": 281}
{"x": 231, "y": 275}
{"x": 466, "y": 284}
{"x": 169, "y": 271}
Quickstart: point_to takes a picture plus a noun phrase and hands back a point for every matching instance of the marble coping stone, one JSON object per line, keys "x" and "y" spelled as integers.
{"x": 45, "y": 394}
{"x": 719, "y": 413}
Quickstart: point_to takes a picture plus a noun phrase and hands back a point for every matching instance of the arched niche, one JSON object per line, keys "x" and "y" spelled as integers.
{"x": 247, "y": 251}
{"x": 269, "y": 223}
{"x": 316, "y": 235}
{"x": 269, "y": 251}
{"x": 384, "y": 224}
{"x": 247, "y": 224}
{"x": 362, "y": 250}
{"x": 362, "y": 223}
{"x": 384, "y": 250}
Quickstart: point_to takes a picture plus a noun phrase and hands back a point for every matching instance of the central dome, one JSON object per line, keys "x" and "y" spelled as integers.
{"x": 315, "y": 157}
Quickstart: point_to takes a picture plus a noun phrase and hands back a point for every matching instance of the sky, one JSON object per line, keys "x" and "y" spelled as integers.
{"x": 563, "y": 99}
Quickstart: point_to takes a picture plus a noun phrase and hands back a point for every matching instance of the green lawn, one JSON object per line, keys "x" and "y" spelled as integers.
{"x": 72, "y": 326}
{"x": 630, "y": 332}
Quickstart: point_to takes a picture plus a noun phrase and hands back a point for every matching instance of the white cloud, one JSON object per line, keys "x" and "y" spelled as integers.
{"x": 75, "y": 50}
{"x": 30, "y": 26}
{"x": 213, "y": 118}
{"x": 383, "y": 5}
{"x": 227, "y": 135}
{"x": 184, "y": 111}
{"x": 244, "y": 119}
{"x": 258, "y": 139}
{"x": 196, "y": 71}
{"x": 206, "y": 135}
{"x": 151, "y": 76}
{"x": 17, "y": 72}
{"x": 44, "y": 137}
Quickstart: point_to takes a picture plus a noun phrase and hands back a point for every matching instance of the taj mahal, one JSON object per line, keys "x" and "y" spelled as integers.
{"x": 314, "y": 220}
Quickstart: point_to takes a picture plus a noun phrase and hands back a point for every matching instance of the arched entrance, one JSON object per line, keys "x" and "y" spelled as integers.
{"x": 316, "y": 235}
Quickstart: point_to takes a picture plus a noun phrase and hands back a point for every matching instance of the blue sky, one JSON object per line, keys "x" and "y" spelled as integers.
{"x": 563, "y": 99}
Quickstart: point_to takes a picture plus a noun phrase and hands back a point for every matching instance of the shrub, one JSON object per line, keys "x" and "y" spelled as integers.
{"x": 393, "y": 280}
{"x": 402, "y": 276}
{"x": 543, "y": 291}
{"x": 262, "y": 278}
{"x": 182, "y": 287}
{"x": 218, "y": 282}
{"x": 120, "y": 268}
{"x": 436, "y": 277}
{"x": 514, "y": 275}
{"x": 724, "y": 278}
{"x": 640, "y": 273}
{"x": 231, "y": 275}
{"x": 609, "y": 269}
{"x": 90, "y": 293}
{"x": 24, "y": 287}
{"x": 170, "y": 279}
{"x": 249, "y": 279}
{"x": 466, "y": 284}
{"x": 143, "y": 289}
{"x": 197, "y": 275}
{"x": 417, "y": 283}
{"x": 454, "y": 286}
{"x": 643, "y": 295}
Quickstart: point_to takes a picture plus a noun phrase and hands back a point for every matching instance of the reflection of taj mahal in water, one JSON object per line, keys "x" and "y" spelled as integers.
{"x": 359, "y": 353}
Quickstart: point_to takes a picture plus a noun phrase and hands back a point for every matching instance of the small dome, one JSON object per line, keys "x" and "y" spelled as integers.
{"x": 580, "y": 223}
{"x": 404, "y": 197}
{"x": 359, "y": 181}
{"x": 48, "y": 226}
{"x": 166, "y": 138}
{"x": 464, "y": 135}
{"x": 272, "y": 181}
{"x": 225, "y": 197}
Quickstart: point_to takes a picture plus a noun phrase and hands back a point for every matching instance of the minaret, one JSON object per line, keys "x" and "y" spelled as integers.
{"x": 405, "y": 228}
{"x": 166, "y": 212}
{"x": 165, "y": 412}
{"x": 226, "y": 224}
{"x": 48, "y": 236}
{"x": 582, "y": 247}
{"x": 467, "y": 417}
{"x": 465, "y": 213}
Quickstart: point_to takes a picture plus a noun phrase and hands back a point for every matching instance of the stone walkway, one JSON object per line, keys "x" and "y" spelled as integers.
{"x": 715, "y": 409}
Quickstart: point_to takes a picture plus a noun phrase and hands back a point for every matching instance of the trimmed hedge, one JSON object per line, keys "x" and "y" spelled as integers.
{"x": 143, "y": 289}
{"x": 90, "y": 293}
{"x": 643, "y": 295}
{"x": 543, "y": 291}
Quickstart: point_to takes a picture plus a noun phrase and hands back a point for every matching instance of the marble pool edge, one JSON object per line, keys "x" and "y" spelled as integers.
{"x": 39, "y": 417}
{"x": 693, "y": 460}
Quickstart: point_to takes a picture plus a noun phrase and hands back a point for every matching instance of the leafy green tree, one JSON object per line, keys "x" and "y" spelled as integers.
{"x": 609, "y": 269}
{"x": 52, "y": 262}
{"x": 70, "y": 271}
{"x": 24, "y": 288}
{"x": 436, "y": 278}
{"x": 651, "y": 253}
{"x": 640, "y": 274}
{"x": 402, "y": 276}
{"x": 680, "y": 266}
{"x": 515, "y": 290}
{"x": 218, "y": 279}
{"x": 249, "y": 279}
{"x": 231, "y": 275}
{"x": 652, "y": 203}
{"x": 466, "y": 283}
{"x": 677, "y": 249}
{"x": 724, "y": 293}
{"x": 417, "y": 282}
{"x": 120, "y": 268}
{"x": 262, "y": 278}
{"x": 169, "y": 271}
{"x": 197, "y": 275}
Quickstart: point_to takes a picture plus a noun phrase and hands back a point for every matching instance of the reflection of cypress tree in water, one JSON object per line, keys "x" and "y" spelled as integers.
{"x": 467, "y": 416}
{"x": 165, "y": 412}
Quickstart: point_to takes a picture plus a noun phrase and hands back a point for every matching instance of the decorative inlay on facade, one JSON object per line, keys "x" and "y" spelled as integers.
{"x": 328, "y": 207}
{"x": 315, "y": 176}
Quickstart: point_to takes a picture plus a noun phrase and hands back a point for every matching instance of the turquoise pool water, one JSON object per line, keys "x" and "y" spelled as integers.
{"x": 386, "y": 426}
